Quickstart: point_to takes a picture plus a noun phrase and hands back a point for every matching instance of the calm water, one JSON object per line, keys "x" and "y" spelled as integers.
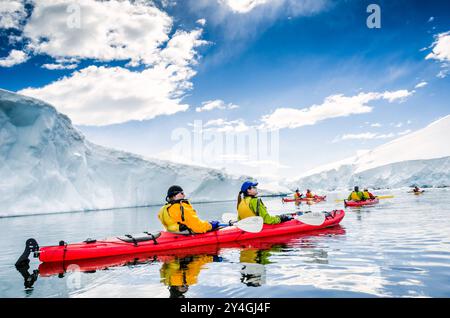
{"x": 399, "y": 248}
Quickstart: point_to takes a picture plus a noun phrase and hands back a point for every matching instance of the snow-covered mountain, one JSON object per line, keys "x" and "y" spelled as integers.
{"x": 46, "y": 165}
{"x": 421, "y": 158}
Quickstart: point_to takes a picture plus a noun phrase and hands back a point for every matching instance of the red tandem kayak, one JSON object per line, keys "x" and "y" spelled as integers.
{"x": 315, "y": 199}
{"x": 166, "y": 241}
{"x": 361, "y": 203}
{"x": 265, "y": 243}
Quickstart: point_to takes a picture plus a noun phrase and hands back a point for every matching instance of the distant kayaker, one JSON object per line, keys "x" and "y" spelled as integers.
{"x": 356, "y": 195}
{"x": 309, "y": 194}
{"x": 297, "y": 194}
{"x": 249, "y": 204}
{"x": 367, "y": 195}
{"x": 297, "y": 197}
{"x": 178, "y": 215}
{"x": 417, "y": 190}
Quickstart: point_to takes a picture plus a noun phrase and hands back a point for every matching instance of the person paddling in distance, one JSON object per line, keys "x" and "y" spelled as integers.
{"x": 178, "y": 215}
{"x": 417, "y": 190}
{"x": 248, "y": 204}
{"x": 356, "y": 195}
{"x": 297, "y": 197}
{"x": 309, "y": 194}
{"x": 367, "y": 195}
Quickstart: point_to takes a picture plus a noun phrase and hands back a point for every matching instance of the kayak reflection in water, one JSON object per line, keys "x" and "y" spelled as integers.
{"x": 180, "y": 273}
{"x": 356, "y": 195}
{"x": 251, "y": 205}
{"x": 178, "y": 215}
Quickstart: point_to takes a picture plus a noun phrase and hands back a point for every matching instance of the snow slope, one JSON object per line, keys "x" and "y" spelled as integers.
{"x": 420, "y": 158}
{"x": 46, "y": 165}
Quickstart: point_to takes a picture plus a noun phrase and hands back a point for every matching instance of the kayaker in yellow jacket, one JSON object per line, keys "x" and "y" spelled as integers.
{"x": 249, "y": 204}
{"x": 356, "y": 195}
{"x": 178, "y": 215}
{"x": 367, "y": 195}
{"x": 309, "y": 194}
{"x": 297, "y": 196}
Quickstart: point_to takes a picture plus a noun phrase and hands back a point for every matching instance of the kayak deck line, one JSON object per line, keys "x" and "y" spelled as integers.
{"x": 166, "y": 241}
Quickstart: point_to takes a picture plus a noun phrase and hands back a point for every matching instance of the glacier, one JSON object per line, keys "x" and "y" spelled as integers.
{"x": 47, "y": 166}
{"x": 420, "y": 158}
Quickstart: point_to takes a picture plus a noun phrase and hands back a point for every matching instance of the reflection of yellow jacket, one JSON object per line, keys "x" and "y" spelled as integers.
{"x": 183, "y": 272}
{"x": 172, "y": 215}
{"x": 254, "y": 256}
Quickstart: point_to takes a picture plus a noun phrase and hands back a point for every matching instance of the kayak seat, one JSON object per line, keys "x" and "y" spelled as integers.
{"x": 140, "y": 237}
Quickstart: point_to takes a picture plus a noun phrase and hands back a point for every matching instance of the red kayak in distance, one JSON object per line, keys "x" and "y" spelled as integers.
{"x": 166, "y": 241}
{"x": 92, "y": 265}
{"x": 315, "y": 199}
{"x": 361, "y": 203}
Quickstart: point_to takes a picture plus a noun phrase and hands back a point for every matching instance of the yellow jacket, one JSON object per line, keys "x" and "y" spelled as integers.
{"x": 172, "y": 215}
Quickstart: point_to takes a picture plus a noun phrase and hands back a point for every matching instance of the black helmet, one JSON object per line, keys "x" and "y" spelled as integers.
{"x": 356, "y": 188}
{"x": 173, "y": 190}
{"x": 297, "y": 190}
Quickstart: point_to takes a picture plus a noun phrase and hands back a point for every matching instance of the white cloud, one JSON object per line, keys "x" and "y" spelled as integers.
{"x": 221, "y": 125}
{"x": 110, "y": 95}
{"x": 53, "y": 66}
{"x": 15, "y": 57}
{"x": 431, "y": 19}
{"x": 104, "y": 31}
{"x": 201, "y": 22}
{"x": 110, "y": 31}
{"x": 12, "y": 13}
{"x": 400, "y": 124}
{"x": 363, "y": 136}
{"x": 332, "y": 107}
{"x": 215, "y": 104}
{"x": 441, "y": 48}
{"x": 421, "y": 84}
{"x": 243, "y": 6}
{"x": 375, "y": 125}
{"x": 369, "y": 135}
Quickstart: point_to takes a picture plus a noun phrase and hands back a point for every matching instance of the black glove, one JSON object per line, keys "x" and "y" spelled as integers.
{"x": 285, "y": 218}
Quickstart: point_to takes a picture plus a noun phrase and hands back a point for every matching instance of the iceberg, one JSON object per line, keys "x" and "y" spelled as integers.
{"x": 48, "y": 166}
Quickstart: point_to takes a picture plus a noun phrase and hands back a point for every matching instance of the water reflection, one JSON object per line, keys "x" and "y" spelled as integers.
{"x": 180, "y": 273}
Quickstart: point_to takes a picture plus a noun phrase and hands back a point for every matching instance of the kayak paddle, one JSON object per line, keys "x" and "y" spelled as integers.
{"x": 253, "y": 224}
{"x": 378, "y": 197}
{"x": 315, "y": 218}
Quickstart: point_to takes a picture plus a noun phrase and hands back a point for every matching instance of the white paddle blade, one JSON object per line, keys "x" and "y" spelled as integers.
{"x": 315, "y": 218}
{"x": 253, "y": 224}
{"x": 229, "y": 217}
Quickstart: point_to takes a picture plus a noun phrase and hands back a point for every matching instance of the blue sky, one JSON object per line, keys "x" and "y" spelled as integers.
{"x": 265, "y": 63}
